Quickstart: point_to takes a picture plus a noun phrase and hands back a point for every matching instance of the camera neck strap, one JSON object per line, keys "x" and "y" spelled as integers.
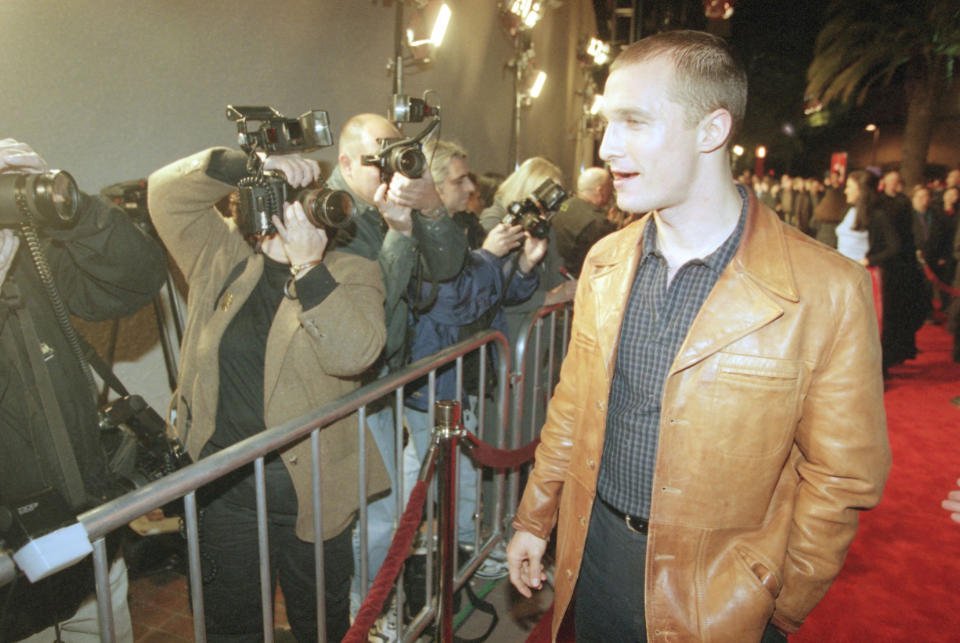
{"x": 57, "y": 429}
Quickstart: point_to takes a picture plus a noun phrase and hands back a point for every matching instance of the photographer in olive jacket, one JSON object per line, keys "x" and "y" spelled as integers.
{"x": 276, "y": 327}
{"x": 98, "y": 265}
{"x": 402, "y": 224}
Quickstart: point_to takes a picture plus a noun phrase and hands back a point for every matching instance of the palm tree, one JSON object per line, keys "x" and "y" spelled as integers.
{"x": 868, "y": 41}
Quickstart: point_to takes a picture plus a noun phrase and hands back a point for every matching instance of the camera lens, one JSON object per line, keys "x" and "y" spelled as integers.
{"x": 52, "y": 198}
{"x": 409, "y": 161}
{"x": 327, "y": 208}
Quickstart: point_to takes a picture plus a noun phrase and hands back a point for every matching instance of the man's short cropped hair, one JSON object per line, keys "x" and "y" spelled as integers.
{"x": 439, "y": 153}
{"x": 707, "y": 75}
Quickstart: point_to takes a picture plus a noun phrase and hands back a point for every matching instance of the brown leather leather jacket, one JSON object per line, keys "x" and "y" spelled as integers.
{"x": 772, "y": 435}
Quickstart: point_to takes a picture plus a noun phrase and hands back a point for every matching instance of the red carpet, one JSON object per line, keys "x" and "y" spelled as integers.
{"x": 901, "y": 581}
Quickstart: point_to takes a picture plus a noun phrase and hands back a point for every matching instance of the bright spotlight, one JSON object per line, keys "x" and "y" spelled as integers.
{"x": 538, "y": 84}
{"x": 529, "y": 11}
{"x": 599, "y": 51}
{"x": 440, "y": 26}
{"x": 597, "y": 102}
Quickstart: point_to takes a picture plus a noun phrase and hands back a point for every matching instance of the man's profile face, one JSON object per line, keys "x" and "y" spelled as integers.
{"x": 455, "y": 190}
{"x": 365, "y": 179}
{"x": 650, "y": 149}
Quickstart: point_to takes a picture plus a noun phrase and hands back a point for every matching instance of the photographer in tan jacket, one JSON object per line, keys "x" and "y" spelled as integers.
{"x": 274, "y": 330}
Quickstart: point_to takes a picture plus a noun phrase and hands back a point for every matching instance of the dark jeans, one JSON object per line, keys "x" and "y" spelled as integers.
{"x": 609, "y": 597}
{"x": 231, "y": 575}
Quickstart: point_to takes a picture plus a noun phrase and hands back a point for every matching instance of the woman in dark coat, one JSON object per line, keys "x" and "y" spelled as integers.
{"x": 891, "y": 248}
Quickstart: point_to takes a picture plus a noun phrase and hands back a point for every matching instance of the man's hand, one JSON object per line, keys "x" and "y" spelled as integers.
{"x": 533, "y": 251}
{"x": 9, "y": 242}
{"x": 952, "y": 504}
{"x": 417, "y": 194}
{"x": 398, "y": 217}
{"x": 562, "y": 293}
{"x": 524, "y": 558}
{"x": 299, "y": 172}
{"x": 503, "y": 238}
{"x": 20, "y": 157}
{"x": 302, "y": 243}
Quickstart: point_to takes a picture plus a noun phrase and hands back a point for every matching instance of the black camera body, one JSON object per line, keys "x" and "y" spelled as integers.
{"x": 263, "y": 193}
{"x": 401, "y": 155}
{"x": 529, "y": 213}
{"x": 50, "y": 199}
{"x": 141, "y": 451}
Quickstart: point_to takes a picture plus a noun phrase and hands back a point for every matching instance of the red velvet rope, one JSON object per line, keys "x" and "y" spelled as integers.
{"x": 939, "y": 285}
{"x": 488, "y": 456}
{"x": 383, "y": 583}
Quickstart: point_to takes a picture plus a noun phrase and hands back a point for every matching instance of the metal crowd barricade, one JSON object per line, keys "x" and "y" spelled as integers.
{"x": 526, "y": 383}
{"x": 100, "y": 521}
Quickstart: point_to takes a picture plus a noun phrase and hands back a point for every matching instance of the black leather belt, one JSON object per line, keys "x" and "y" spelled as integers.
{"x": 634, "y": 523}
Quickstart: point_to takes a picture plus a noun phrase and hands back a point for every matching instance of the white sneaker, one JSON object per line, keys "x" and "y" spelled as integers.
{"x": 495, "y": 565}
{"x": 492, "y": 569}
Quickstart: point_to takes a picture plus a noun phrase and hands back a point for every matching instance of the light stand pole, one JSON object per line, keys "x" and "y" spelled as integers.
{"x": 876, "y": 138}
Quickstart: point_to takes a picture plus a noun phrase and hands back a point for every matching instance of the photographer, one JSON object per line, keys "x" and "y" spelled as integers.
{"x": 470, "y": 303}
{"x": 554, "y": 287}
{"x": 277, "y": 326}
{"x": 101, "y": 266}
{"x": 405, "y": 227}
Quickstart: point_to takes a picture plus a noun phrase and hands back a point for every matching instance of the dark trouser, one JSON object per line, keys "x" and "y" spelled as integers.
{"x": 609, "y": 597}
{"x": 609, "y": 600}
{"x": 231, "y": 585}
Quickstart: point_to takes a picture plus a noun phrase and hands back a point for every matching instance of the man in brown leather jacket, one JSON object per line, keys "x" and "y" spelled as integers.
{"x": 719, "y": 419}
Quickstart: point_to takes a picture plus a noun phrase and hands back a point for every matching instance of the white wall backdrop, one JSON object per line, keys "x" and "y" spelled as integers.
{"x": 111, "y": 89}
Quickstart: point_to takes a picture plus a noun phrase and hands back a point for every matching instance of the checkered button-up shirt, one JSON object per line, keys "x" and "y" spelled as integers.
{"x": 656, "y": 320}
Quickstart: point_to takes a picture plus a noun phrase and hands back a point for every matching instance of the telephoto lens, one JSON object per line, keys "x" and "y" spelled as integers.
{"x": 52, "y": 198}
{"x": 327, "y": 208}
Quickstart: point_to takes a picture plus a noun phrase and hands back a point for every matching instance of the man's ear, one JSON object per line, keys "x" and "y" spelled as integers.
{"x": 714, "y": 130}
{"x": 346, "y": 166}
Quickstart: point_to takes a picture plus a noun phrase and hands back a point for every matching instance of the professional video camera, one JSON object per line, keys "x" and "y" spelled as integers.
{"x": 530, "y": 213}
{"x": 50, "y": 199}
{"x": 403, "y": 155}
{"x": 263, "y": 193}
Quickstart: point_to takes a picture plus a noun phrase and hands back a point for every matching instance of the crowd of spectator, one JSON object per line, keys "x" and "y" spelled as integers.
{"x": 907, "y": 235}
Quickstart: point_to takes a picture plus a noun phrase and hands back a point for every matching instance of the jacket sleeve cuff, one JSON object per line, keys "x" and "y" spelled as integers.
{"x": 227, "y": 166}
{"x": 315, "y": 286}
{"x": 520, "y": 525}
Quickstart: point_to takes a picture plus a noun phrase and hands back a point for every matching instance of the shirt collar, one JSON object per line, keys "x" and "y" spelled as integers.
{"x": 716, "y": 260}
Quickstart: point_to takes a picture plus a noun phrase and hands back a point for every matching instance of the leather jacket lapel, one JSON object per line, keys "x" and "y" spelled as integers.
{"x": 745, "y": 296}
{"x": 610, "y": 282}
